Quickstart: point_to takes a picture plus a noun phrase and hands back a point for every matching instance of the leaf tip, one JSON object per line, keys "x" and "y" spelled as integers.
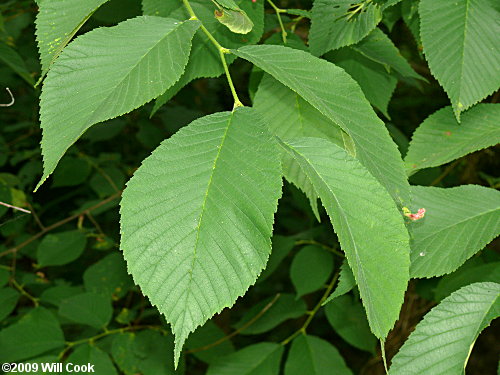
{"x": 179, "y": 343}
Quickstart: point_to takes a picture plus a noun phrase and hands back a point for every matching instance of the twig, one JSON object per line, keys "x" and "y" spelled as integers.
{"x": 222, "y": 52}
{"x": 71, "y": 344}
{"x": 280, "y": 21}
{"x": 322, "y": 245}
{"x": 35, "y": 216}
{"x": 24, "y": 292}
{"x": 446, "y": 172}
{"x": 314, "y": 311}
{"x": 15, "y": 207}
{"x": 100, "y": 171}
{"x": 96, "y": 224}
{"x": 12, "y": 99}
{"x": 241, "y": 329}
{"x": 58, "y": 224}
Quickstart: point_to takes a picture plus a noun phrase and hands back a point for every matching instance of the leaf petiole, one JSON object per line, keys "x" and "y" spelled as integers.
{"x": 222, "y": 52}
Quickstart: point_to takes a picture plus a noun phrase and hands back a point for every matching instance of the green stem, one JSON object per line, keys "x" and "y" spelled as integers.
{"x": 189, "y": 9}
{"x": 296, "y": 22}
{"x": 326, "y": 247}
{"x": 313, "y": 312}
{"x": 71, "y": 344}
{"x": 222, "y": 52}
{"x": 241, "y": 329}
{"x": 278, "y": 14}
{"x": 24, "y": 292}
{"x": 384, "y": 359}
{"x": 237, "y": 102}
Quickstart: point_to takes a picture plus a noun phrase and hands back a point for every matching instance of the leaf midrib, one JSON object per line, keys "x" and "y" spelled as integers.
{"x": 202, "y": 211}
{"x": 462, "y": 57}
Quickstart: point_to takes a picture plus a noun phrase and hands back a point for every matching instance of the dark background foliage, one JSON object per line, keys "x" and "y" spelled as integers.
{"x": 83, "y": 196}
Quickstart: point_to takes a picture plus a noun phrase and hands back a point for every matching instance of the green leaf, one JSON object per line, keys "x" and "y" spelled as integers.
{"x": 390, "y": 17}
{"x": 4, "y": 276}
{"x": 409, "y": 12}
{"x": 159, "y": 8}
{"x": 198, "y": 231}
{"x": 6, "y": 197}
{"x": 399, "y": 137}
{"x": 281, "y": 247}
{"x": 339, "y": 23}
{"x": 376, "y": 82}
{"x": 8, "y": 298}
{"x": 35, "y": 333}
{"x": 108, "y": 276}
{"x": 71, "y": 172}
{"x": 314, "y": 356}
{"x": 104, "y": 187}
{"x": 131, "y": 63}
{"x": 11, "y": 58}
{"x": 204, "y": 60}
{"x": 57, "y": 23}
{"x": 345, "y": 285}
{"x": 123, "y": 353}
{"x": 88, "y": 308}
{"x": 460, "y": 39}
{"x": 89, "y": 354}
{"x": 311, "y": 267}
{"x": 389, "y": 3}
{"x": 345, "y": 314}
{"x": 369, "y": 226}
{"x": 228, "y": 4}
{"x": 57, "y": 294}
{"x": 258, "y": 359}
{"x": 378, "y": 47}
{"x": 143, "y": 353}
{"x": 299, "y": 12}
{"x": 48, "y": 358}
{"x": 458, "y": 223}
{"x": 285, "y": 307}
{"x": 463, "y": 277}
{"x": 60, "y": 248}
{"x": 207, "y": 335}
{"x": 336, "y": 95}
{"x": 443, "y": 340}
{"x": 441, "y": 139}
{"x": 289, "y": 116}
{"x": 235, "y": 20}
